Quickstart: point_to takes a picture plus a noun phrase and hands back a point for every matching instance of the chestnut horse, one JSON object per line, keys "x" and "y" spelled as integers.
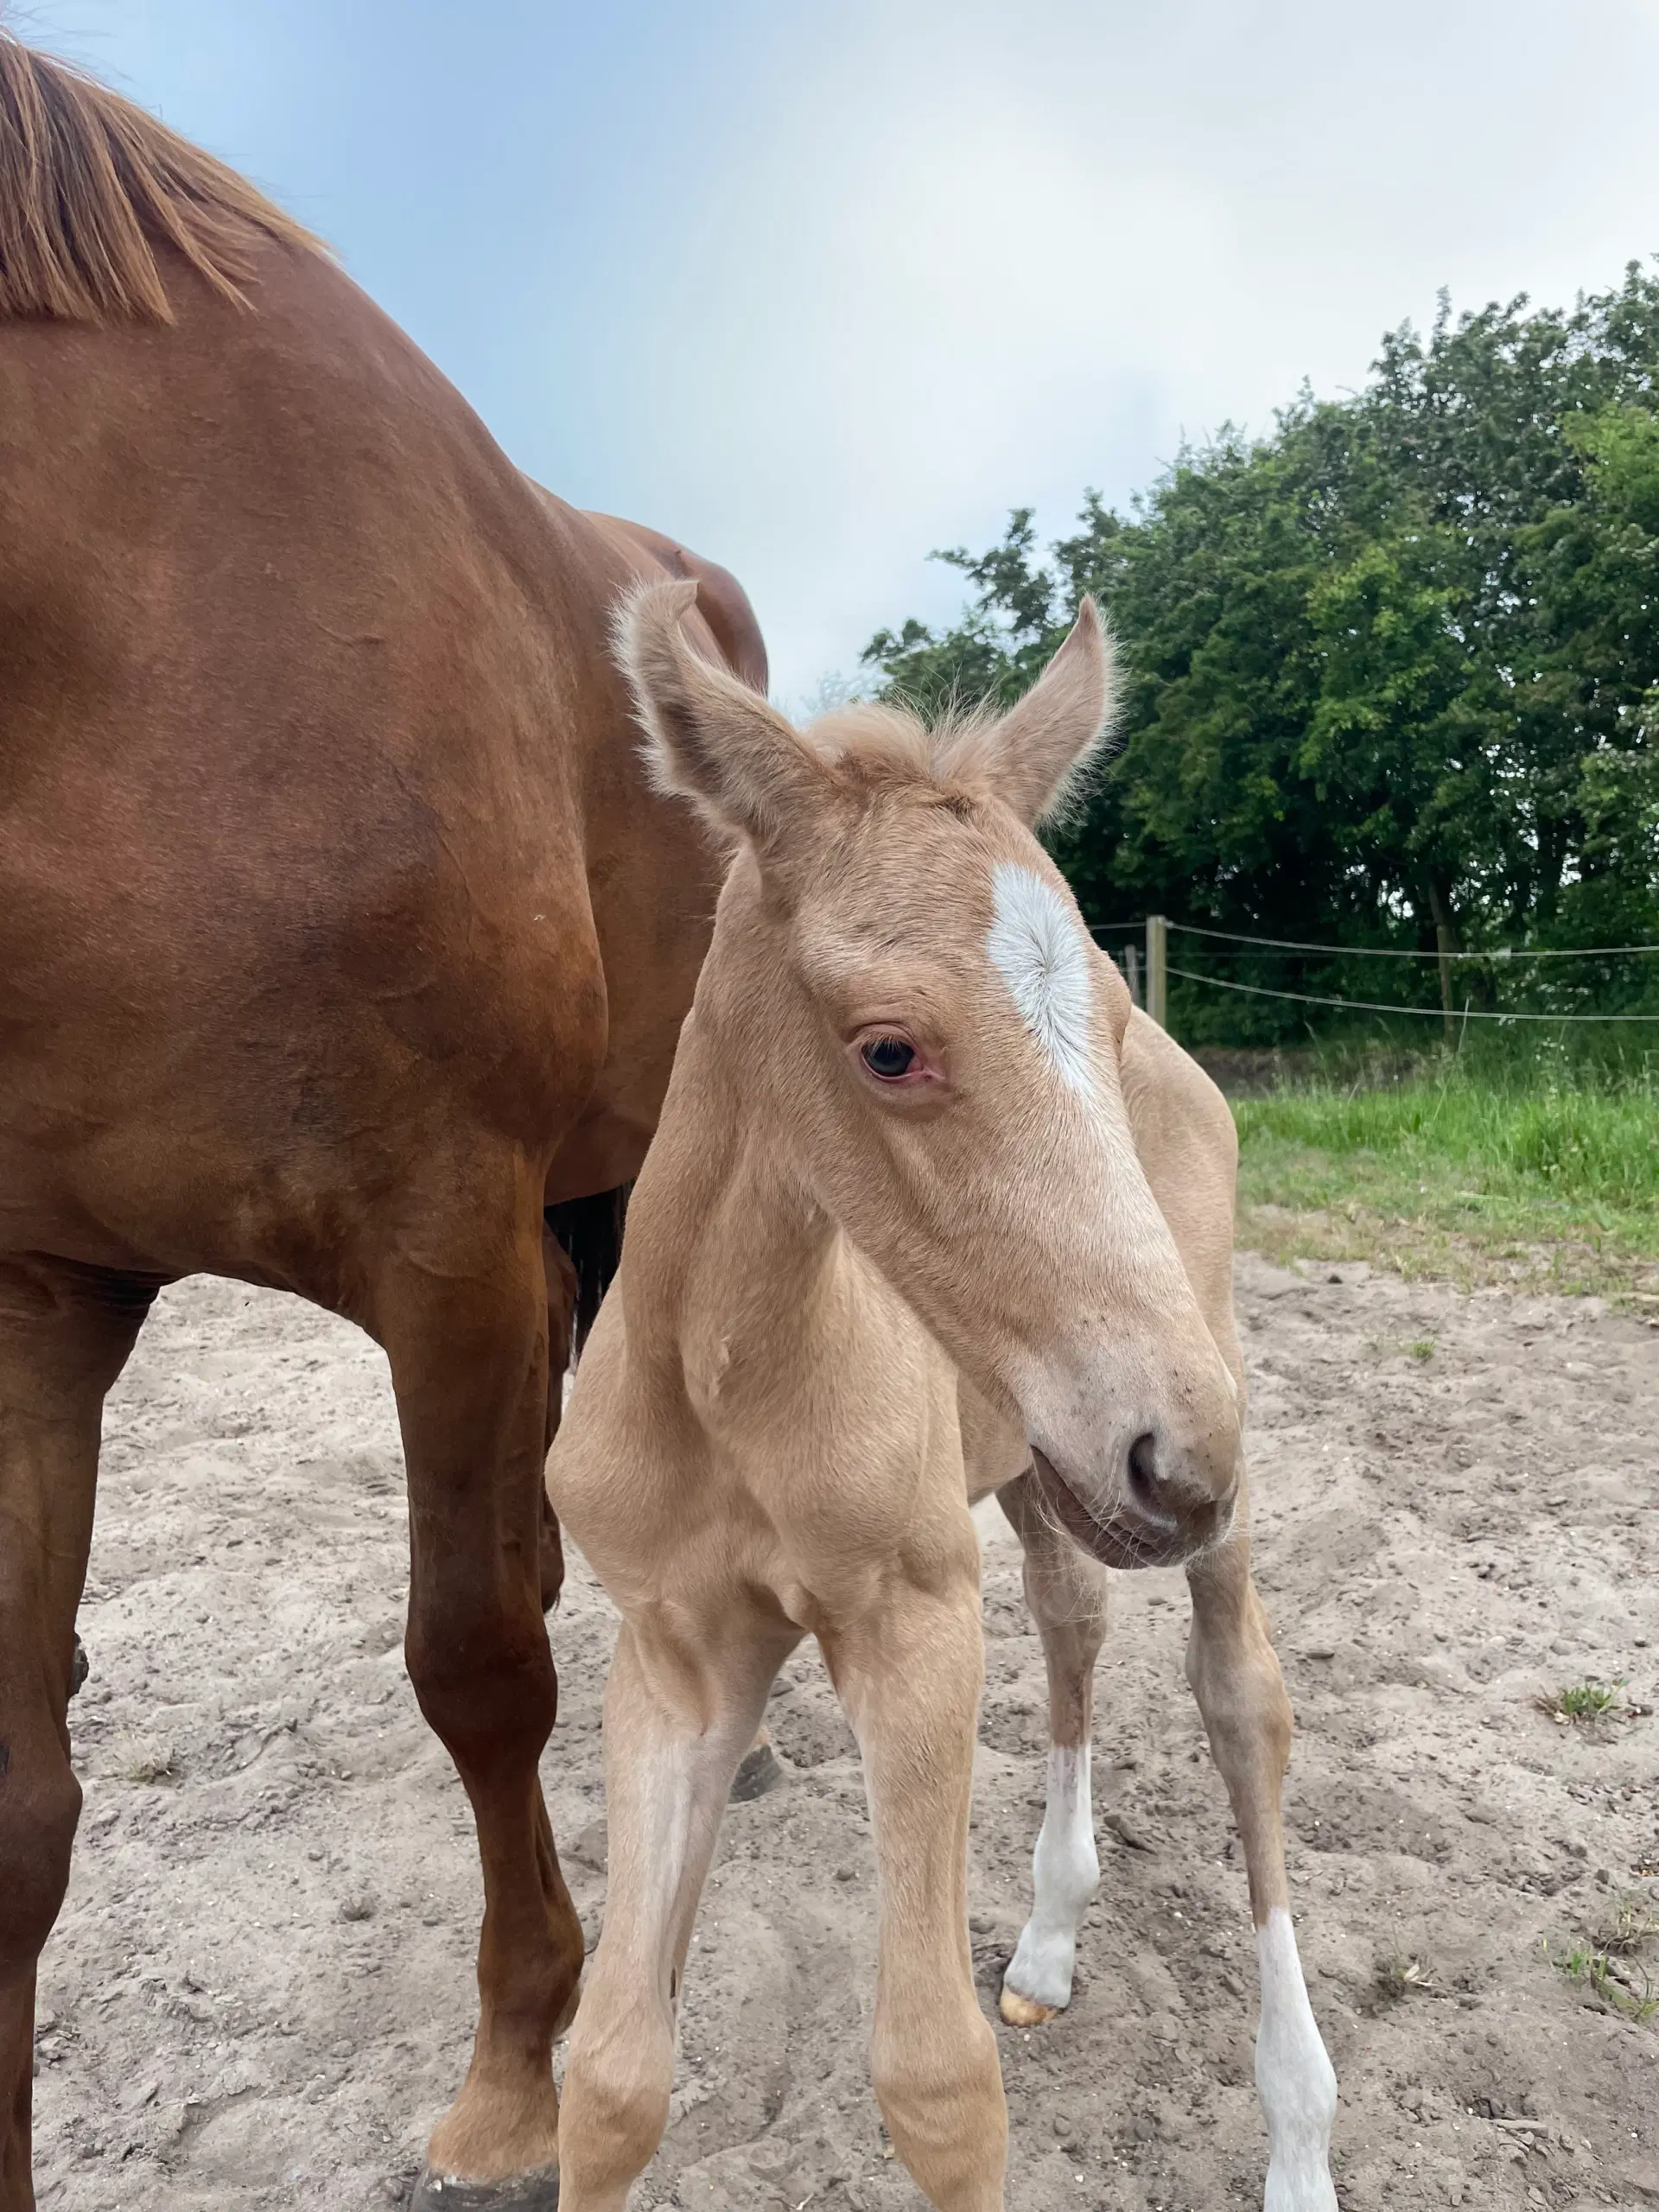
{"x": 338, "y": 938}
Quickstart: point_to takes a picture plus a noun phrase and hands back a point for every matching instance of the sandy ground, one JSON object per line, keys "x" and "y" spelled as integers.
{"x": 259, "y": 1992}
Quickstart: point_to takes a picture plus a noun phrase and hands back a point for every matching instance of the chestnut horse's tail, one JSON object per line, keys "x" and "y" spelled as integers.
{"x": 590, "y": 1229}
{"x": 90, "y": 185}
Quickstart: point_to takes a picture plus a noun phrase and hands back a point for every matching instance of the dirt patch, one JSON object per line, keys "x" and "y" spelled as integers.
{"x": 1422, "y": 1250}
{"x": 259, "y": 1995}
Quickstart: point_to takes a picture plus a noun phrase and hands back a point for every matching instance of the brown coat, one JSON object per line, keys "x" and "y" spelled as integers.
{"x": 338, "y": 936}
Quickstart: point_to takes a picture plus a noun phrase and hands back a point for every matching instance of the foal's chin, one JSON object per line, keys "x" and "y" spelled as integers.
{"x": 1116, "y": 1536}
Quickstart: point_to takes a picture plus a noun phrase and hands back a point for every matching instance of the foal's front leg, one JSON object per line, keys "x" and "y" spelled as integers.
{"x": 678, "y": 1717}
{"x": 1066, "y": 1592}
{"x": 1235, "y": 1676}
{"x": 909, "y": 1678}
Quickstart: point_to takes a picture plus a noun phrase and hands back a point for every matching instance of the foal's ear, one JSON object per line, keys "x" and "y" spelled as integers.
{"x": 709, "y": 738}
{"x": 1041, "y": 748}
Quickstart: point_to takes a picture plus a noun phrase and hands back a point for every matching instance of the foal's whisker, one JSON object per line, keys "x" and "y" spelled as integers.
{"x": 1047, "y": 1513}
{"x": 1136, "y": 1545}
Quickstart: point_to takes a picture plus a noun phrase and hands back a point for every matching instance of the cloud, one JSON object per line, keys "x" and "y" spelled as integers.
{"x": 821, "y": 290}
{"x": 964, "y": 258}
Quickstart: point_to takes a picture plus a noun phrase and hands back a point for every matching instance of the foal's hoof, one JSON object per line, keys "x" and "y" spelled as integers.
{"x": 761, "y": 1770}
{"x": 1023, "y": 2011}
{"x": 532, "y": 2192}
{"x": 80, "y": 1667}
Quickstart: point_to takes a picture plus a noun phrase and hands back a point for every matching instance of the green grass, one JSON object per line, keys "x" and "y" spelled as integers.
{"x": 1623, "y": 1929}
{"x": 1534, "y": 1175}
{"x": 1605, "y": 1961}
{"x": 1610, "y": 1979}
{"x": 1582, "y": 1701}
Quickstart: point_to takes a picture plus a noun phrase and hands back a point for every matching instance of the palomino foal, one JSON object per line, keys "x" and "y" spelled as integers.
{"x": 892, "y": 1248}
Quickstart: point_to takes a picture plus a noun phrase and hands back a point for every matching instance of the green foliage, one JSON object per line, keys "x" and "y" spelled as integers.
{"x": 1391, "y": 673}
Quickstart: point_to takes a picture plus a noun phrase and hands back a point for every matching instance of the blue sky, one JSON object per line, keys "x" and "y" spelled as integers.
{"x": 818, "y": 287}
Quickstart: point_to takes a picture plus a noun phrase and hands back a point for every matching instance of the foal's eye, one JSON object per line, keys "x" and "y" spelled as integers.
{"x": 889, "y": 1057}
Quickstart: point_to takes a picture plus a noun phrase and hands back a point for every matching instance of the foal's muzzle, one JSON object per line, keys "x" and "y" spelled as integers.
{"x": 1152, "y": 1515}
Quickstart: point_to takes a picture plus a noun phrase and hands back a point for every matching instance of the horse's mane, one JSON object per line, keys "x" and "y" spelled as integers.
{"x": 90, "y": 185}
{"x": 887, "y": 743}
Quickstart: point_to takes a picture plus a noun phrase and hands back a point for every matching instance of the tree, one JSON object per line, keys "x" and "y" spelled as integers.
{"x": 1391, "y": 673}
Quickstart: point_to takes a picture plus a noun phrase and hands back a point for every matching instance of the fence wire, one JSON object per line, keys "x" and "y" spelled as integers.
{"x": 1377, "y": 1006}
{"x": 1506, "y": 952}
{"x": 1503, "y": 955}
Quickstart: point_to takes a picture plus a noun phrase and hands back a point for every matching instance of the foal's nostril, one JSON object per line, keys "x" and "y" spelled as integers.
{"x": 1143, "y": 1472}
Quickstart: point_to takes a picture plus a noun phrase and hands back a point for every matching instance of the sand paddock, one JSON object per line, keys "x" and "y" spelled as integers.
{"x": 259, "y": 1992}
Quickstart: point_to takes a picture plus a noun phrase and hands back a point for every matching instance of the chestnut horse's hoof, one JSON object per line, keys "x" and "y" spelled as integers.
{"x": 761, "y": 1770}
{"x": 532, "y": 2192}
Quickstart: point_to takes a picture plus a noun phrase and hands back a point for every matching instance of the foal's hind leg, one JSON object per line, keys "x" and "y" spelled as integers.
{"x": 65, "y": 1334}
{"x": 1066, "y": 1592}
{"x": 461, "y": 1307}
{"x": 1235, "y": 1676}
{"x": 678, "y": 1714}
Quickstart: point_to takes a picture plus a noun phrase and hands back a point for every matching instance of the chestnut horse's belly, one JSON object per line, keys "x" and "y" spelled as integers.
{"x": 232, "y": 1055}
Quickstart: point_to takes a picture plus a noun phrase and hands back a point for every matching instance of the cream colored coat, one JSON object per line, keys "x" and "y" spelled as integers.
{"x": 929, "y": 1212}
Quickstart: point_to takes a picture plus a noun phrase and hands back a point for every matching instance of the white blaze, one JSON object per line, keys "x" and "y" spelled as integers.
{"x": 1293, "y": 2078}
{"x": 1066, "y": 1874}
{"x": 1037, "y": 947}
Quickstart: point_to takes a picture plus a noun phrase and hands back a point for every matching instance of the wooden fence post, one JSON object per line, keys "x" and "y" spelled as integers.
{"x": 1132, "y": 969}
{"x": 1158, "y": 969}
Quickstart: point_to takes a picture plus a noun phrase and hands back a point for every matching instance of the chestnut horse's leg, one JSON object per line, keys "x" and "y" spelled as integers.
{"x": 461, "y": 1307}
{"x": 679, "y": 1716}
{"x": 1235, "y": 1676}
{"x": 65, "y": 1334}
{"x": 1066, "y": 1592}
{"x": 562, "y": 1293}
{"x": 909, "y": 1677}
